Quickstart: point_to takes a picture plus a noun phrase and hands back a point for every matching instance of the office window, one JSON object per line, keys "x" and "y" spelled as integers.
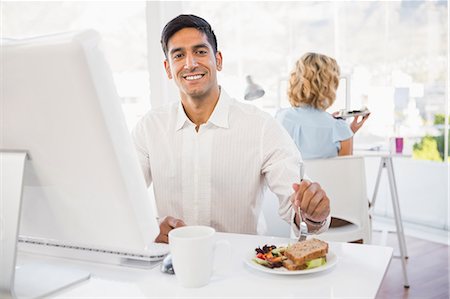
{"x": 122, "y": 26}
{"x": 395, "y": 54}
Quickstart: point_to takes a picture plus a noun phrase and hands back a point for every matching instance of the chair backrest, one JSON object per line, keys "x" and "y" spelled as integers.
{"x": 270, "y": 223}
{"x": 344, "y": 181}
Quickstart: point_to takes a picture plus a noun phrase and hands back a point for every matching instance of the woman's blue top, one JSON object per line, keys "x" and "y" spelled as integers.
{"x": 316, "y": 133}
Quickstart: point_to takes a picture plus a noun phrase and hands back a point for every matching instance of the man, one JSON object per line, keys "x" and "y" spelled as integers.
{"x": 209, "y": 156}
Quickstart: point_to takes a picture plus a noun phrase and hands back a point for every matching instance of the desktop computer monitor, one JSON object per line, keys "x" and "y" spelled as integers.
{"x": 82, "y": 183}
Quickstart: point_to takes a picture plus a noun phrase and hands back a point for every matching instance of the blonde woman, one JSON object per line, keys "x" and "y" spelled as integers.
{"x": 312, "y": 89}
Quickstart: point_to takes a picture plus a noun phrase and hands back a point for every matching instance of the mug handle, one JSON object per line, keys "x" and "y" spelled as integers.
{"x": 222, "y": 265}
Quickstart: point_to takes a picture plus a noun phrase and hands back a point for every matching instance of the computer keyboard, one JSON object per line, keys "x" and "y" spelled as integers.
{"x": 154, "y": 251}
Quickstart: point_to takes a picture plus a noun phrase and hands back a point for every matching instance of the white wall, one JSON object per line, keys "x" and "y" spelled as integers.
{"x": 422, "y": 190}
{"x": 162, "y": 90}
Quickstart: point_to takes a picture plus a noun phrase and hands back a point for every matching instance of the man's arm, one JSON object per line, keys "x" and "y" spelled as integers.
{"x": 281, "y": 168}
{"x": 140, "y": 136}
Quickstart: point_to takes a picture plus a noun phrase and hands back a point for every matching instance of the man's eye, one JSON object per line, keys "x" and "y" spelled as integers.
{"x": 202, "y": 52}
{"x": 177, "y": 56}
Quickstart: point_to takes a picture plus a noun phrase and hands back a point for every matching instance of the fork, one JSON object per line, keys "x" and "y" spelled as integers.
{"x": 303, "y": 231}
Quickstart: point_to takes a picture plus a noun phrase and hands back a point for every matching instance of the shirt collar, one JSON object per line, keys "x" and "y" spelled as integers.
{"x": 181, "y": 117}
{"x": 219, "y": 116}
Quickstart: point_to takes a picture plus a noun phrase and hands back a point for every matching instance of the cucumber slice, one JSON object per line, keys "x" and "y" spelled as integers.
{"x": 261, "y": 262}
{"x": 316, "y": 262}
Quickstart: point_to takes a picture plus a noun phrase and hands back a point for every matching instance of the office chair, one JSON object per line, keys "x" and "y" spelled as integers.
{"x": 270, "y": 222}
{"x": 344, "y": 181}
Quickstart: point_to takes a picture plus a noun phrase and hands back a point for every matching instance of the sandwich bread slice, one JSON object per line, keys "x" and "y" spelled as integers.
{"x": 305, "y": 255}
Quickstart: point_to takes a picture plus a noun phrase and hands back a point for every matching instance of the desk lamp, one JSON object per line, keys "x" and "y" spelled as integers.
{"x": 253, "y": 90}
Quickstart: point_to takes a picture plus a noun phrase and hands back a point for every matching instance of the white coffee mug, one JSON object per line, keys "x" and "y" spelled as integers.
{"x": 193, "y": 249}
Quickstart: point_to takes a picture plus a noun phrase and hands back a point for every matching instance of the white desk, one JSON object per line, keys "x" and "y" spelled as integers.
{"x": 386, "y": 163}
{"x": 359, "y": 272}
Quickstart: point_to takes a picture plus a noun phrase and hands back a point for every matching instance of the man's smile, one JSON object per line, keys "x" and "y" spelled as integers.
{"x": 193, "y": 77}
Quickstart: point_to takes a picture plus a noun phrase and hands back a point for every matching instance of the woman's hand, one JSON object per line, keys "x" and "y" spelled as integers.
{"x": 356, "y": 125}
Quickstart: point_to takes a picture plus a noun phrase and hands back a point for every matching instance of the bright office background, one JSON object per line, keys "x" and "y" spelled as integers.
{"x": 394, "y": 52}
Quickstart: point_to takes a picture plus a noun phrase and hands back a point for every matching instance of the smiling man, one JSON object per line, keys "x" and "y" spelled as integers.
{"x": 210, "y": 156}
{"x": 193, "y": 64}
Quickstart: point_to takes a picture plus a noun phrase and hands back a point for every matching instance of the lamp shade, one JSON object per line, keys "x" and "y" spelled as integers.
{"x": 253, "y": 90}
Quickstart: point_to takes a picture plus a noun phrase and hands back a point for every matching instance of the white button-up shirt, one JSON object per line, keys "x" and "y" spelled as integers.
{"x": 216, "y": 176}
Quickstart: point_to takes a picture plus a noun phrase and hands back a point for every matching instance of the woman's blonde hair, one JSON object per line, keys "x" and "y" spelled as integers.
{"x": 314, "y": 81}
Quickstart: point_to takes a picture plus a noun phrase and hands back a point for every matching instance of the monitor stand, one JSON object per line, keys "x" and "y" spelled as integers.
{"x": 30, "y": 280}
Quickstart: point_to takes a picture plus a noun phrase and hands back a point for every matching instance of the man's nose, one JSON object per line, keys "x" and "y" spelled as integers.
{"x": 190, "y": 62}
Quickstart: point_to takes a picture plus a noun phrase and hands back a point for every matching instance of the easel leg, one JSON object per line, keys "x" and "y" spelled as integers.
{"x": 377, "y": 184}
{"x": 398, "y": 219}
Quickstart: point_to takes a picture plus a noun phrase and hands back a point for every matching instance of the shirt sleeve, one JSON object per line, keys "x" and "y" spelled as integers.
{"x": 140, "y": 136}
{"x": 280, "y": 164}
{"x": 341, "y": 131}
{"x": 281, "y": 168}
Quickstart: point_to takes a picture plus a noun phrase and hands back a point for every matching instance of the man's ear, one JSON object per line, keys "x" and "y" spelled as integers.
{"x": 219, "y": 60}
{"x": 168, "y": 70}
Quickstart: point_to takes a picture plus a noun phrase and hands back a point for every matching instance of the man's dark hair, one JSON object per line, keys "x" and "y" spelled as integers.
{"x": 187, "y": 21}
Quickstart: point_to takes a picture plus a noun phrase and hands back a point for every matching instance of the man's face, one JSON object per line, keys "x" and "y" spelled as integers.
{"x": 191, "y": 63}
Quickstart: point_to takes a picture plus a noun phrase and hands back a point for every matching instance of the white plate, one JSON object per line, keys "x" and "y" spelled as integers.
{"x": 331, "y": 262}
{"x": 347, "y": 114}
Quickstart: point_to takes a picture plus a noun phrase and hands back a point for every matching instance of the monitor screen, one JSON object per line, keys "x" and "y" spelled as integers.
{"x": 82, "y": 184}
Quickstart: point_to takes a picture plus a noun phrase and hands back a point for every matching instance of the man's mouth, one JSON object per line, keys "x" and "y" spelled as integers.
{"x": 193, "y": 77}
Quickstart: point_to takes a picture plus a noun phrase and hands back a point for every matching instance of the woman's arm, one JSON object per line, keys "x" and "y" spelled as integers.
{"x": 356, "y": 125}
{"x": 346, "y": 147}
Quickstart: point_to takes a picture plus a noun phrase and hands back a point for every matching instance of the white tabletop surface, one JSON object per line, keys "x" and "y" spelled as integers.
{"x": 358, "y": 273}
{"x": 387, "y": 154}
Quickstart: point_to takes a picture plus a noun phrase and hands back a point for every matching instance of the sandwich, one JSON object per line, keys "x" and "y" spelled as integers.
{"x": 305, "y": 255}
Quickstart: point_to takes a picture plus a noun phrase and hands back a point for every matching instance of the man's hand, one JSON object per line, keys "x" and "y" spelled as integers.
{"x": 166, "y": 226}
{"x": 312, "y": 200}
